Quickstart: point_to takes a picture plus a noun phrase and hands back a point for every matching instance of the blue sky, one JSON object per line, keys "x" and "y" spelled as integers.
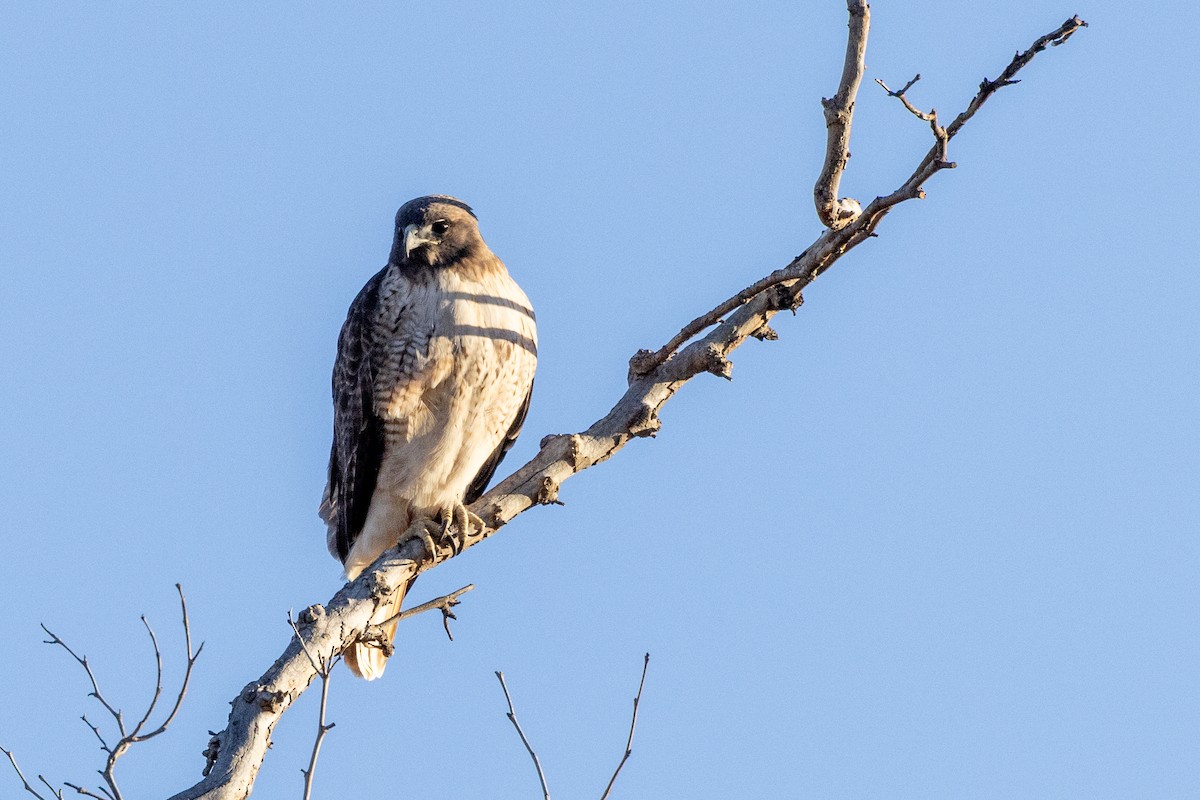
{"x": 937, "y": 541}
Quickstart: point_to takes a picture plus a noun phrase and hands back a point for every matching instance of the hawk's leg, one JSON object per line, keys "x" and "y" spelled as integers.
{"x": 457, "y": 524}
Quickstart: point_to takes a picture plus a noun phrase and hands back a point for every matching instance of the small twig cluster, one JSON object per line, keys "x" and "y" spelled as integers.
{"x": 128, "y": 736}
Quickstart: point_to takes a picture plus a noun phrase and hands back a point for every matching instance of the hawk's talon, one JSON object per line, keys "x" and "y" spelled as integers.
{"x": 422, "y": 528}
{"x": 457, "y": 525}
{"x": 430, "y": 546}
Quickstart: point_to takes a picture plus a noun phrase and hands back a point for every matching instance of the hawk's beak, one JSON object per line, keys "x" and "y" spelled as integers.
{"x": 414, "y": 237}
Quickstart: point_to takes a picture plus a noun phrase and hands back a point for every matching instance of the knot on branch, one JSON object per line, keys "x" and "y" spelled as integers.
{"x": 311, "y": 614}
{"x": 783, "y": 297}
{"x": 642, "y": 362}
{"x": 547, "y": 494}
{"x": 375, "y": 636}
{"x": 987, "y": 86}
{"x": 493, "y": 515}
{"x": 766, "y": 333}
{"x": 211, "y": 752}
{"x": 647, "y": 423}
{"x": 570, "y": 448}
{"x": 266, "y": 698}
{"x": 715, "y": 362}
{"x": 379, "y": 587}
{"x": 837, "y": 112}
{"x": 837, "y": 214}
{"x": 1066, "y": 30}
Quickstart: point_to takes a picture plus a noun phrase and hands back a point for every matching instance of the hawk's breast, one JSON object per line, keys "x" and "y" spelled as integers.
{"x": 457, "y": 361}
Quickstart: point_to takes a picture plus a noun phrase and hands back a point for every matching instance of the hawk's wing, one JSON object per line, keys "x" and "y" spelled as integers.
{"x": 475, "y": 490}
{"x": 358, "y": 436}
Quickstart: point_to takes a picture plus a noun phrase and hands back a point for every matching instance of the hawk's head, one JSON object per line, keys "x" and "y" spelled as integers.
{"x": 436, "y": 231}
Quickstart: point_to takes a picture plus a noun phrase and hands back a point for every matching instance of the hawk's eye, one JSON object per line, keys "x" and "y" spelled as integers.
{"x": 440, "y": 227}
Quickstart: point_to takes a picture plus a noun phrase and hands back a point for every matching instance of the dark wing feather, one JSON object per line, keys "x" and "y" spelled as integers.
{"x": 358, "y": 435}
{"x": 475, "y": 490}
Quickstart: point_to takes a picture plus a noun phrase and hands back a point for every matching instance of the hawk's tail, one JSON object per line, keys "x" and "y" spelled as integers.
{"x": 368, "y": 660}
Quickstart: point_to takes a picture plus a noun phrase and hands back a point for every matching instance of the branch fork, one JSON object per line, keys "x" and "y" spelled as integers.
{"x": 110, "y": 790}
{"x": 835, "y": 212}
{"x": 939, "y": 133}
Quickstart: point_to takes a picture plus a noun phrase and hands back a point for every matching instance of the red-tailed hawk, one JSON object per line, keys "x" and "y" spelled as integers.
{"x": 431, "y": 384}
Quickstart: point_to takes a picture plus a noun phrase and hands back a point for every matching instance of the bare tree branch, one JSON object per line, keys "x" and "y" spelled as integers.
{"x": 21, "y": 775}
{"x": 89, "y": 793}
{"x": 322, "y": 729}
{"x": 236, "y": 754}
{"x": 96, "y": 730}
{"x": 843, "y": 241}
{"x": 443, "y": 603}
{"x": 56, "y": 792}
{"x": 158, "y": 667}
{"x": 839, "y": 111}
{"x": 632, "y": 725}
{"x": 512, "y": 717}
{"x": 903, "y": 97}
{"x": 96, "y": 693}
{"x": 1007, "y": 77}
{"x": 939, "y": 133}
{"x": 187, "y": 673}
{"x": 128, "y": 738}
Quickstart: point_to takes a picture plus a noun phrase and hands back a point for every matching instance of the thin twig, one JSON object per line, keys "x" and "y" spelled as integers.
{"x": 12, "y": 760}
{"x": 988, "y": 88}
{"x": 444, "y": 603}
{"x": 930, "y": 116}
{"x": 324, "y": 669}
{"x": 632, "y": 725}
{"x": 96, "y": 693}
{"x": 901, "y": 95}
{"x": 96, "y": 730}
{"x": 322, "y": 728}
{"x": 187, "y": 672}
{"x": 512, "y": 717}
{"x": 129, "y": 738}
{"x": 56, "y": 792}
{"x": 304, "y": 645}
{"x": 1007, "y": 77}
{"x": 645, "y": 360}
{"x": 158, "y": 685}
{"x": 88, "y": 792}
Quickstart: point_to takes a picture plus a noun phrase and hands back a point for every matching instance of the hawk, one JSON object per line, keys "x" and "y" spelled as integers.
{"x": 431, "y": 385}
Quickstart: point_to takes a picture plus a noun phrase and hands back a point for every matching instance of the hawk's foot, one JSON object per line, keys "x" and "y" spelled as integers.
{"x": 457, "y": 525}
{"x": 424, "y": 528}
